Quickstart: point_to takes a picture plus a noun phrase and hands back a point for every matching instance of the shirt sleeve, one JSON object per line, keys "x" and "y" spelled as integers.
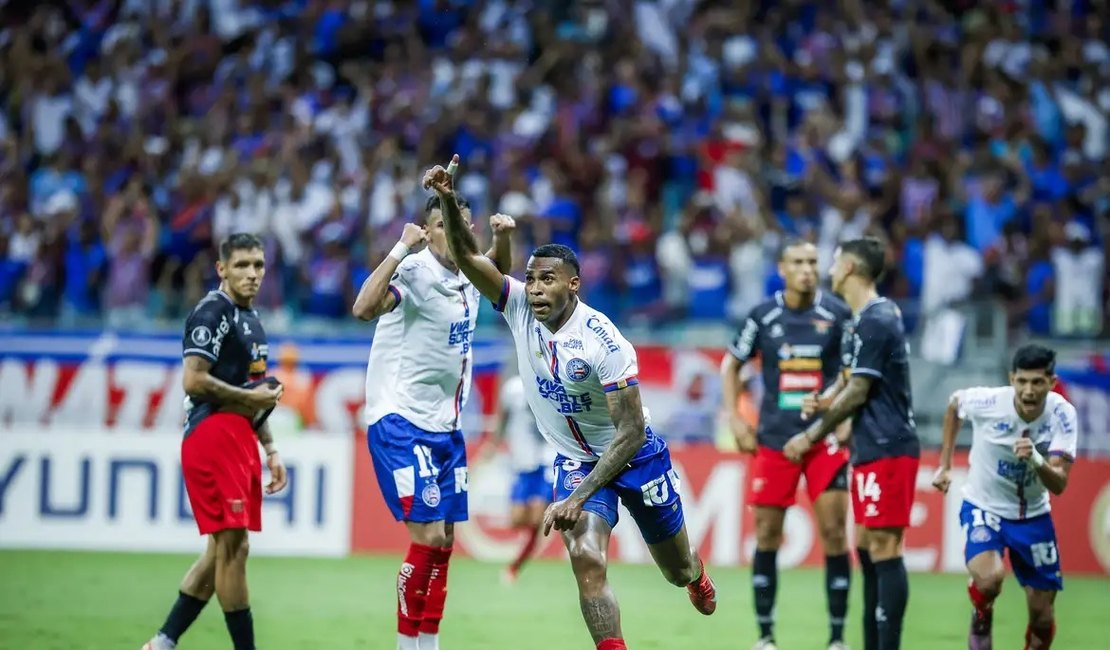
{"x": 204, "y": 332}
{"x": 871, "y": 343}
{"x": 618, "y": 367}
{"x": 406, "y": 284}
{"x": 512, "y": 302}
{"x": 743, "y": 345}
{"x": 1065, "y": 434}
{"x": 974, "y": 402}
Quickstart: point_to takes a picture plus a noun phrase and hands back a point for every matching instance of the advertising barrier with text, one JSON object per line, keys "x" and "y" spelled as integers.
{"x": 94, "y": 489}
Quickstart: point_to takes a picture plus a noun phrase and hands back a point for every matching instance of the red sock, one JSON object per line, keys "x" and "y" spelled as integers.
{"x": 527, "y": 549}
{"x": 981, "y": 602}
{"x": 611, "y": 644}
{"x": 1042, "y": 635}
{"x": 437, "y": 592}
{"x": 412, "y": 587}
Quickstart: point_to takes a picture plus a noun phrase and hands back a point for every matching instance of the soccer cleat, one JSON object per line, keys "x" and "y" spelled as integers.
{"x": 838, "y": 645}
{"x": 979, "y": 636}
{"x": 703, "y": 593}
{"x": 159, "y": 642}
{"x": 509, "y": 576}
{"x": 766, "y": 643}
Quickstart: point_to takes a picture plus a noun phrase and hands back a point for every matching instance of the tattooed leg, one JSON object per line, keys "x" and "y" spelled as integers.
{"x": 588, "y": 546}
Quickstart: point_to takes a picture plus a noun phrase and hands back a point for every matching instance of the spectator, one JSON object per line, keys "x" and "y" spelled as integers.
{"x": 1080, "y": 271}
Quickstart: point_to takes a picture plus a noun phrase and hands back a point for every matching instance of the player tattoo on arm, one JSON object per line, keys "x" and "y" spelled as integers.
{"x": 847, "y": 401}
{"x": 628, "y": 416}
{"x": 199, "y": 382}
{"x": 602, "y": 616}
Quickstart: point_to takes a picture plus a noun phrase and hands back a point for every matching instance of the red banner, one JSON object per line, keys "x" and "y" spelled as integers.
{"x": 714, "y": 485}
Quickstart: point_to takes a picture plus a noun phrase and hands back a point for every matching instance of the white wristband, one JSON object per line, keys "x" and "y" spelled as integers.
{"x": 400, "y": 251}
{"x": 1036, "y": 459}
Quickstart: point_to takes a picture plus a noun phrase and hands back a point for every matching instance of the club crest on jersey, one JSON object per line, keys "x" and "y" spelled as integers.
{"x": 201, "y": 335}
{"x": 573, "y": 479}
{"x": 578, "y": 369}
{"x": 821, "y": 326}
{"x": 430, "y": 495}
{"x": 1003, "y": 427}
{"x": 980, "y": 535}
{"x": 777, "y": 331}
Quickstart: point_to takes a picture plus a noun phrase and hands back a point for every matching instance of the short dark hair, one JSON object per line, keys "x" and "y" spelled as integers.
{"x": 558, "y": 251}
{"x": 433, "y": 203}
{"x": 791, "y": 242}
{"x": 871, "y": 254}
{"x": 240, "y": 241}
{"x": 1032, "y": 356}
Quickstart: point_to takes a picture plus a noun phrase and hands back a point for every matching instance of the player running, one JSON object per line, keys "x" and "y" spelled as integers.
{"x": 580, "y": 378}
{"x": 224, "y": 348}
{"x": 798, "y": 335}
{"x": 531, "y": 457}
{"x": 417, "y": 382}
{"x": 1024, "y": 438}
{"x": 885, "y": 448}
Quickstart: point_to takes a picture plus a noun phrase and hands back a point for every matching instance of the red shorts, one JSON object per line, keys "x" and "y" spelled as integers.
{"x": 223, "y": 474}
{"x": 883, "y": 491}
{"x": 774, "y": 479}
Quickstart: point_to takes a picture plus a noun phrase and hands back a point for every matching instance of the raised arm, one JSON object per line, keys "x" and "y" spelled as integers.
{"x": 478, "y": 268}
{"x": 374, "y": 297}
{"x": 501, "y": 251}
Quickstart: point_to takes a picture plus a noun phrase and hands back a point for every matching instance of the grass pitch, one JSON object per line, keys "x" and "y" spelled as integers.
{"x": 94, "y": 601}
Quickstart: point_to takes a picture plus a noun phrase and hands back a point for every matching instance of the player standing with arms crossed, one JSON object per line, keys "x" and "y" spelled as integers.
{"x": 224, "y": 348}
{"x": 417, "y": 382}
{"x": 580, "y": 378}
{"x": 798, "y": 335}
{"x": 531, "y": 457}
{"x": 885, "y": 448}
{"x": 1024, "y": 438}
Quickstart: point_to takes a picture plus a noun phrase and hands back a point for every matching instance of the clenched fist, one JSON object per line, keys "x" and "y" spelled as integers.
{"x": 502, "y": 223}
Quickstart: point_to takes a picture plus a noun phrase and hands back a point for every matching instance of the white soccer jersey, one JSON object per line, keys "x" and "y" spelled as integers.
{"x": 421, "y": 360}
{"x": 527, "y": 448}
{"x": 566, "y": 374}
{"x": 998, "y": 481}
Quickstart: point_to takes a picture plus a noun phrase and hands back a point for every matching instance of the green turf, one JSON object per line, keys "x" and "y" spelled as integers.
{"x": 90, "y": 601}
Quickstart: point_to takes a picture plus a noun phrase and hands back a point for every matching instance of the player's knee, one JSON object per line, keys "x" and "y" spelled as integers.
{"x": 768, "y": 533}
{"x": 589, "y": 564}
{"x": 989, "y": 583}
{"x": 232, "y": 546}
{"x": 1041, "y": 612}
{"x": 448, "y": 536}
{"x": 834, "y": 536}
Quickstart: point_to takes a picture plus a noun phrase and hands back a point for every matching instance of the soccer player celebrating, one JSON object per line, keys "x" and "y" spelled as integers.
{"x": 580, "y": 379}
{"x": 224, "y": 349}
{"x": 1024, "y": 438}
{"x": 798, "y": 335}
{"x": 885, "y": 448}
{"x": 417, "y": 382}
{"x": 531, "y": 457}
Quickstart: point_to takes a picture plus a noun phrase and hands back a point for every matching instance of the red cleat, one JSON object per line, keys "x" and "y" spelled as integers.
{"x": 703, "y": 593}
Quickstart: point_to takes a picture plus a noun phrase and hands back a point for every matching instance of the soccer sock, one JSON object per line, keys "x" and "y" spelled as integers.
{"x": 241, "y": 627}
{"x": 870, "y": 600}
{"x": 894, "y": 591}
{"x": 412, "y": 588}
{"x": 838, "y": 578}
{"x": 526, "y": 550}
{"x": 182, "y": 615}
{"x": 981, "y": 603}
{"x": 765, "y": 581}
{"x": 437, "y": 593}
{"x": 1044, "y": 635}
{"x": 611, "y": 644}
{"x": 427, "y": 641}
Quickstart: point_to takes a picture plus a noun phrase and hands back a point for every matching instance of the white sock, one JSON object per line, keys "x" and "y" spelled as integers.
{"x": 162, "y": 642}
{"x": 429, "y": 641}
{"x": 407, "y": 642}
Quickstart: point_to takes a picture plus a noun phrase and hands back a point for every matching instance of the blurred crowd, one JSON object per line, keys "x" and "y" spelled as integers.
{"x": 673, "y": 143}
